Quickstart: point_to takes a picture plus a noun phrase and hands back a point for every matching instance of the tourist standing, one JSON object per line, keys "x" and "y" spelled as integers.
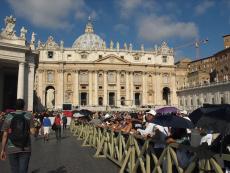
{"x": 17, "y": 128}
{"x": 46, "y": 127}
{"x": 64, "y": 122}
{"x": 57, "y": 124}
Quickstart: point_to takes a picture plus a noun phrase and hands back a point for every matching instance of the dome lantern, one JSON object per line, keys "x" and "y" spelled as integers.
{"x": 88, "y": 40}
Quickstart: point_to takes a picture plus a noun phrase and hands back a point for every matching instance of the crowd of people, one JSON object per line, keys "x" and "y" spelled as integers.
{"x": 42, "y": 123}
{"x": 142, "y": 124}
{"x": 139, "y": 123}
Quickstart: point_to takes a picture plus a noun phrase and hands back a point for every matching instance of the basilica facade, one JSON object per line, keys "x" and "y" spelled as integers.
{"x": 92, "y": 73}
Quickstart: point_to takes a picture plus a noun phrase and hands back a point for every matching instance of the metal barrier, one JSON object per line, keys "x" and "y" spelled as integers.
{"x": 134, "y": 153}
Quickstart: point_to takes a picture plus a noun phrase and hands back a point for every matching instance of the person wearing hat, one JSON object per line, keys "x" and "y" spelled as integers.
{"x": 148, "y": 131}
{"x": 127, "y": 124}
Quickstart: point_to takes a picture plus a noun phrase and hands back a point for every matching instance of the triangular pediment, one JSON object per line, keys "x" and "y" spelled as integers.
{"x": 111, "y": 59}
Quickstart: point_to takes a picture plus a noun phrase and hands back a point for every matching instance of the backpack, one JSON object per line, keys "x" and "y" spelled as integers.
{"x": 20, "y": 130}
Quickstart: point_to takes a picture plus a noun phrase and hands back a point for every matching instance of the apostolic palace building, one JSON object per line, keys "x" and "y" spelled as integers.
{"x": 91, "y": 73}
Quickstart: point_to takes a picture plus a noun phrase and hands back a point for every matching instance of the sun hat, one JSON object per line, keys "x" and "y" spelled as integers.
{"x": 184, "y": 112}
{"x": 151, "y": 112}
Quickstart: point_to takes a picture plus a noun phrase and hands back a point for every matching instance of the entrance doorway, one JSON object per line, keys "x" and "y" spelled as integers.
{"x": 100, "y": 101}
{"x": 111, "y": 99}
{"x": 50, "y": 97}
{"x": 166, "y": 95}
{"x": 123, "y": 101}
{"x": 83, "y": 98}
{"x": 137, "y": 99}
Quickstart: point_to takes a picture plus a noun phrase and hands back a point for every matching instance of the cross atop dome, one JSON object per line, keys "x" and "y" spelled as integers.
{"x": 89, "y": 26}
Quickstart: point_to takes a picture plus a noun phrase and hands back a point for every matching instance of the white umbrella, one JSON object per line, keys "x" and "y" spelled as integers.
{"x": 78, "y": 115}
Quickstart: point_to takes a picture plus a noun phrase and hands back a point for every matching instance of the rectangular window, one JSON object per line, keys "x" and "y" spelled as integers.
{"x": 136, "y": 58}
{"x": 50, "y": 54}
{"x": 100, "y": 87}
{"x": 69, "y": 56}
{"x": 83, "y": 56}
{"x": 164, "y": 59}
{"x": 122, "y": 57}
{"x": 122, "y": 87}
{"x": 50, "y": 76}
{"x": 100, "y": 56}
{"x": 149, "y": 58}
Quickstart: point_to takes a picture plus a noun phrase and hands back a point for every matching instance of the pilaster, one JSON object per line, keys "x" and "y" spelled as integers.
{"x": 118, "y": 89}
{"x": 95, "y": 88}
{"x": 90, "y": 88}
{"x": 131, "y": 89}
{"x": 76, "y": 88}
{"x": 105, "y": 102}
{"x": 144, "y": 85}
{"x": 127, "y": 91}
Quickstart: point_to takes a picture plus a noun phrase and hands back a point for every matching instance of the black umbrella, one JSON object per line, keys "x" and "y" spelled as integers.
{"x": 85, "y": 112}
{"x": 217, "y": 120}
{"x": 173, "y": 121}
{"x": 198, "y": 113}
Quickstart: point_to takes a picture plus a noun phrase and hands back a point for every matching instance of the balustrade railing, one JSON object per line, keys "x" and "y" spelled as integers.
{"x": 134, "y": 153}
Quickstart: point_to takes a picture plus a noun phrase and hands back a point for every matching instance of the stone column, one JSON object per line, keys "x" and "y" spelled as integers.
{"x": 105, "y": 102}
{"x": 127, "y": 91}
{"x": 61, "y": 85}
{"x": 158, "y": 90}
{"x": 40, "y": 90}
{"x": 131, "y": 89}
{"x": 174, "y": 100}
{"x": 1, "y": 88}
{"x": 95, "y": 89}
{"x": 31, "y": 86}
{"x": 118, "y": 89}
{"x": 76, "y": 89}
{"x": 144, "y": 90}
{"x": 20, "y": 87}
{"x": 90, "y": 88}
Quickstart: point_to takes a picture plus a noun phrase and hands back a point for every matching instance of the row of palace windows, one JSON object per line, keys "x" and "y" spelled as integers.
{"x": 111, "y": 78}
{"x": 50, "y": 55}
{"x": 199, "y": 103}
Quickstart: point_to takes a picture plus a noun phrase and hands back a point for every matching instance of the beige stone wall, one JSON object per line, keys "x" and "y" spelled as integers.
{"x": 146, "y": 76}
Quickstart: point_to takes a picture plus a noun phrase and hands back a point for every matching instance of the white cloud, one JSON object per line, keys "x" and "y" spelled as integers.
{"x": 158, "y": 28}
{"x": 204, "y": 6}
{"x": 127, "y": 7}
{"x": 121, "y": 28}
{"x": 151, "y": 24}
{"x": 51, "y": 13}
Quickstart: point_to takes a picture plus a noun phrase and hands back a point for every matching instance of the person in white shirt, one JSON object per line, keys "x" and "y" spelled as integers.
{"x": 148, "y": 131}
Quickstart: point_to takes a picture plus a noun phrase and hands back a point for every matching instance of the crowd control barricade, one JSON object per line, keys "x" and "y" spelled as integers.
{"x": 133, "y": 153}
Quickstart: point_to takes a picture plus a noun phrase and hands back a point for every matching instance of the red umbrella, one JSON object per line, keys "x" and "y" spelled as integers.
{"x": 9, "y": 110}
{"x": 68, "y": 113}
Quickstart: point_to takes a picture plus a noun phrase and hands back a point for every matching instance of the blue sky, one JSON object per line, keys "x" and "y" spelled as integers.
{"x": 148, "y": 22}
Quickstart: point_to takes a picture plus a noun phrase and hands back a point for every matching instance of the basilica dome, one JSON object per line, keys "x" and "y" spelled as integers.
{"x": 88, "y": 40}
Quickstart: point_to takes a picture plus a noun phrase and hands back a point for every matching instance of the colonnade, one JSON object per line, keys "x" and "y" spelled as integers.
{"x": 124, "y": 86}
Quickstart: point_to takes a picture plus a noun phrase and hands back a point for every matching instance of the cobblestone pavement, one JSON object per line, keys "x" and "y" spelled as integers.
{"x": 66, "y": 156}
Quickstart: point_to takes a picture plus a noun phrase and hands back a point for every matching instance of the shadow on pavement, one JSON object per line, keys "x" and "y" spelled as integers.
{"x": 61, "y": 169}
